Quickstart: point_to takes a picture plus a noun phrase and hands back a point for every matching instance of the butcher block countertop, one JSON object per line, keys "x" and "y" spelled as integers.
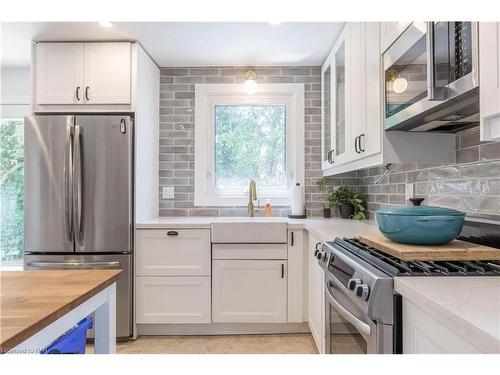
{"x": 31, "y": 300}
{"x": 455, "y": 250}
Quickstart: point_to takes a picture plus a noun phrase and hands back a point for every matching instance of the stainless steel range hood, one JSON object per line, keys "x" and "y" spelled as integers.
{"x": 450, "y": 116}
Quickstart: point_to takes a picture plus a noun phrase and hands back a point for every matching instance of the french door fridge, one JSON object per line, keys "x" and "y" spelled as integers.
{"x": 78, "y": 198}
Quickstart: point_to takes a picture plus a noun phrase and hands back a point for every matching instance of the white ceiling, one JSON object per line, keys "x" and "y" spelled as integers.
{"x": 187, "y": 43}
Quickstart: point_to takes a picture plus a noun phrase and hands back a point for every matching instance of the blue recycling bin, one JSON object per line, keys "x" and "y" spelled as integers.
{"x": 73, "y": 341}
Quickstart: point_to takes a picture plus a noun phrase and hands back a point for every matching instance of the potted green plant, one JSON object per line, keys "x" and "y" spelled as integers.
{"x": 350, "y": 204}
{"x": 323, "y": 183}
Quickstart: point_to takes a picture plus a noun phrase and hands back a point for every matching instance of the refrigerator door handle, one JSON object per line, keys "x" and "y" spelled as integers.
{"x": 77, "y": 183}
{"x": 68, "y": 182}
{"x": 72, "y": 265}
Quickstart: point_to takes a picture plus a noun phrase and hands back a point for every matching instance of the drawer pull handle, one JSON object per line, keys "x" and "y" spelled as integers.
{"x": 282, "y": 271}
{"x": 172, "y": 233}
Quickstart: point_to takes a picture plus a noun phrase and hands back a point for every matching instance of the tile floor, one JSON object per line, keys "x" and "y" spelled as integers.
{"x": 225, "y": 344}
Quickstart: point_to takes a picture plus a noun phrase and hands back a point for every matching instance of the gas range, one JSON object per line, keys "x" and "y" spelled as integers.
{"x": 359, "y": 284}
{"x": 397, "y": 267}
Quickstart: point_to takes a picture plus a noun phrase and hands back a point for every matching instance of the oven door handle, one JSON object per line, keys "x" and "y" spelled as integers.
{"x": 358, "y": 324}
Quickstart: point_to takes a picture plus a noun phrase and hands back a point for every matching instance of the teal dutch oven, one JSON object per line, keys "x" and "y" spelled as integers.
{"x": 420, "y": 225}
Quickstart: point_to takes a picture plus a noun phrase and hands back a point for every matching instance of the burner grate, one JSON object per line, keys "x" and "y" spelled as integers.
{"x": 398, "y": 267}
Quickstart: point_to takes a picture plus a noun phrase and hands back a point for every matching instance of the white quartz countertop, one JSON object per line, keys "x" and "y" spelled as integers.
{"x": 469, "y": 306}
{"x": 325, "y": 229}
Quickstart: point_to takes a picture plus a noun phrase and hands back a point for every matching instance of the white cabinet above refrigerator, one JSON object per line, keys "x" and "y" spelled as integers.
{"x": 84, "y": 77}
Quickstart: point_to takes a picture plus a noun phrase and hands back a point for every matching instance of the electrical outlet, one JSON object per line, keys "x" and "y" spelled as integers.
{"x": 409, "y": 191}
{"x": 168, "y": 192}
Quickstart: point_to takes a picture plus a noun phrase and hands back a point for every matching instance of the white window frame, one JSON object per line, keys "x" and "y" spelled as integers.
{"x": 206, "y": 97}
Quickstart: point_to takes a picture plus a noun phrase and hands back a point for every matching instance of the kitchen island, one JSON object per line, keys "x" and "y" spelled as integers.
{"x": 36, "y": 307}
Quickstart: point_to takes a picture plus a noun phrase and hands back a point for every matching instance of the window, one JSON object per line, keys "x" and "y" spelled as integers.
{"x": 11, "y": 193}
{"x": 241, "y": 137}
{"x": 250, "y": 142}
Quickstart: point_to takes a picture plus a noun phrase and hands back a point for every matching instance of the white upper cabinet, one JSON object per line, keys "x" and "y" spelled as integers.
{"x": 107, "y": 73}
{"x": 340, "y": 71}
{"x": 390, "y": 31}
{"x": 82, "y": 74}
{"x": 333, "y": 105}
{"x": 59, "y": 73}
{"x": 356, "y": 122}
{"x": 326, "y": 113}
{"x": 489, "y": 80}
{"x": 366, "y": 101}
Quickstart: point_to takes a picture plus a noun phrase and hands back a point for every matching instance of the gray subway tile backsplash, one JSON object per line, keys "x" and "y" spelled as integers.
{"x": 471, "y": 185}
{"x": 177, "y": 134}
{"x": 484, "y": 169}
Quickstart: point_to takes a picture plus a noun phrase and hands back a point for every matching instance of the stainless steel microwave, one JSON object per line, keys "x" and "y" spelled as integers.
{"x": 431, "y": 77}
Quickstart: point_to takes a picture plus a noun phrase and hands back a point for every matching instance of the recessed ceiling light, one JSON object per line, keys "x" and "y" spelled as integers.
{"x": 275, "y": 22}
{"x": 105, "y": 24}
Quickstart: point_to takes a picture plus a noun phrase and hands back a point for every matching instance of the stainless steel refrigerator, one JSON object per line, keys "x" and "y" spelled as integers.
{"x": 78, "y": 198}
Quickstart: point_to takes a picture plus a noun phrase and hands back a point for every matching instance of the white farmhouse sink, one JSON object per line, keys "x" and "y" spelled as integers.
{"x": 250, "y": 231}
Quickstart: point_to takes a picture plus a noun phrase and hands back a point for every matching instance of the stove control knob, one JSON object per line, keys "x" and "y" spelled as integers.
{"x": 325, "y": 255}
{"x": 353, "y": 283}
{"x": 316, "y": 252}
{"x": 363, "y": 291}
{"x": 319, "y": 255}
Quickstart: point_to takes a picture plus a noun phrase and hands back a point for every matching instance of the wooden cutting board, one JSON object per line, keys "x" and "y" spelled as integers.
{"x": 455, "y": 250}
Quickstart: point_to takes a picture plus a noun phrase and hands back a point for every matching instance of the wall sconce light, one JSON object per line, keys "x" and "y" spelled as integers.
{"x": 250, "y": 85}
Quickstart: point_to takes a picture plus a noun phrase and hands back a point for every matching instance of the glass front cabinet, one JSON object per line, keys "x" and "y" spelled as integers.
{"x": 333, "y": 106}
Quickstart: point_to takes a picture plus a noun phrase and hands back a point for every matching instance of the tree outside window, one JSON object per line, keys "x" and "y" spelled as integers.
{"x": 11, "y": 192}
{"x": 250, "y": 143}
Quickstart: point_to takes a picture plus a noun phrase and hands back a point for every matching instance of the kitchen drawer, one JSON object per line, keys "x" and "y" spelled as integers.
{"x": 249, "y": 251}
{"x": 175, "y": 252}
{"x": 163, "y": 300}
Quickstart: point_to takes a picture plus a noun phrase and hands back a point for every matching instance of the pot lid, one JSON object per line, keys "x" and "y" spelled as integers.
{"x": 418, "y": 210}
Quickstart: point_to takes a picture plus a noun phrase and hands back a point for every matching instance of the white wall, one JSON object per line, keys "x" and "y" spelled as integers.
{"x": 15, "y": 92}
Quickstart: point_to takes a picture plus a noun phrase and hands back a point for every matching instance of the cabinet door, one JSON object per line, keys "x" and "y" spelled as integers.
{"x": 249, "y": 291}
{"x": 423, "y": 334}
{"x": 371, "y": 135}
{"x": 59, "y": 73}
{"x": 163, "y": 300}
{"x": 326, "y": 113}
{"x": 340, "y": 73}
{"x": 390, "y": 31}
{"x": 107, "y": 73}
{"x": 354, "y": 88}
{"x": 489, "y": 80}
{"x": 176, "y": 252}
{"x": 316, "y": 296}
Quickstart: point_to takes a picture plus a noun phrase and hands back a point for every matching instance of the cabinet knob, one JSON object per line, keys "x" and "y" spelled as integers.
{"x": 172, "y": 233}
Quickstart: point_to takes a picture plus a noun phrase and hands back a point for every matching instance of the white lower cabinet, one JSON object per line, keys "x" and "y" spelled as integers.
{"x": 173, "y": 252}
{"x": 163, "y": 300}
{"x": 316, "y": 296}
{"x": 249, "y": 291}
{"x": 422, "y": 334}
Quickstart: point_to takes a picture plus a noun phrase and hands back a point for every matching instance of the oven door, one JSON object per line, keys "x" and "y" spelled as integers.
{"x": 348, "y": 329}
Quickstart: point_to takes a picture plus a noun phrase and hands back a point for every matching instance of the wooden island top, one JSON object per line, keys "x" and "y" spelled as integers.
{"x": 31, "y": 300}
